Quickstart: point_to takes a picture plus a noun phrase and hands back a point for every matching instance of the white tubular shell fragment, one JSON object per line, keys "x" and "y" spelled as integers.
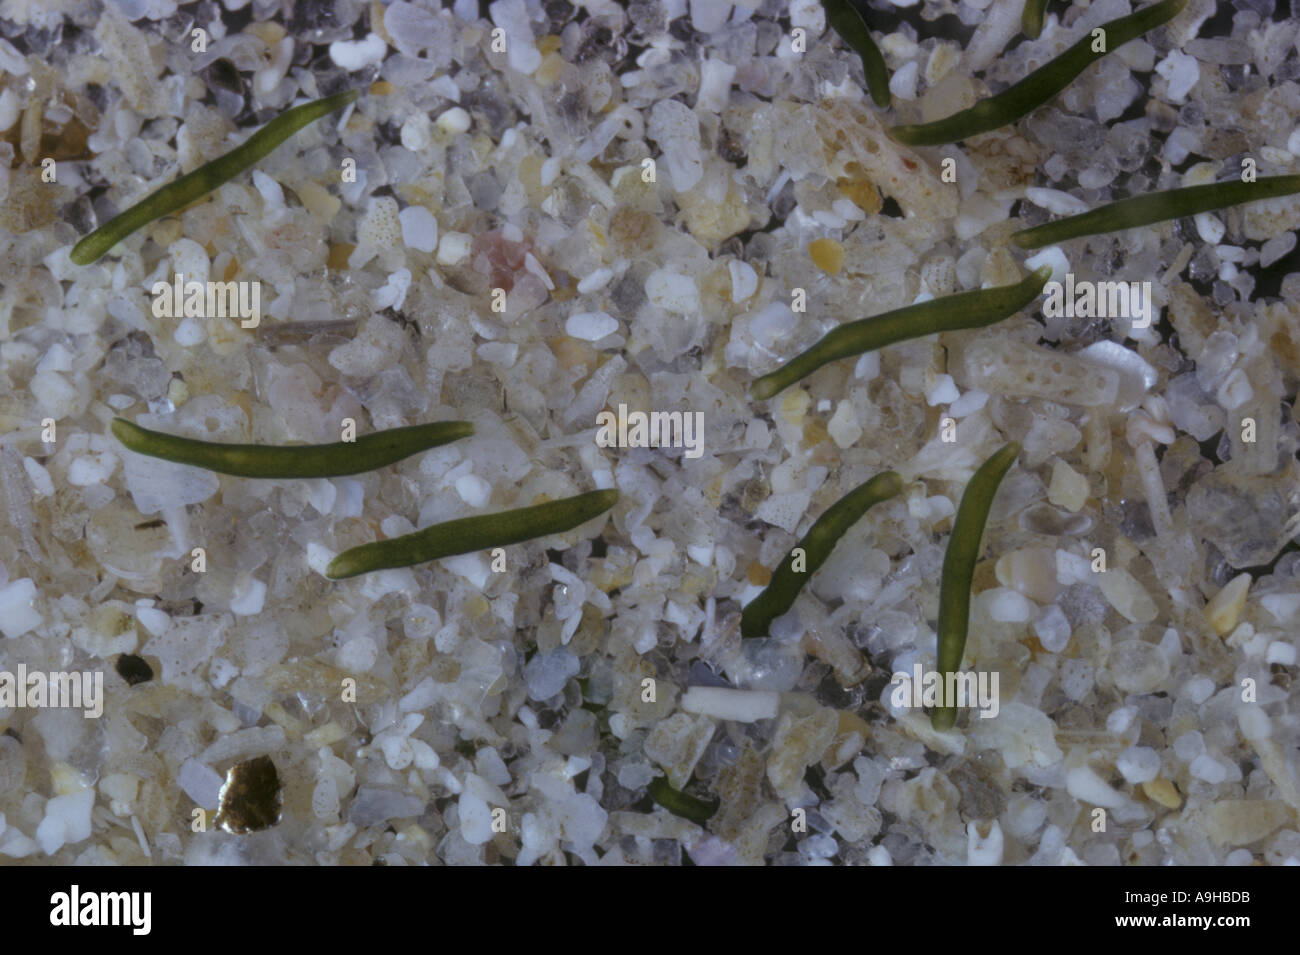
{"x": 1153, "y": 486}
{"x": 741, "y": 706}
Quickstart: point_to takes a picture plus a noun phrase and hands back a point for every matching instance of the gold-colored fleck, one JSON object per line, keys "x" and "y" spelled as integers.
{"x": 1162, "y": 791}
{"x": 339, "y": 255}
{"x": 856, "y": 186}
{"x": 827, "y": 255}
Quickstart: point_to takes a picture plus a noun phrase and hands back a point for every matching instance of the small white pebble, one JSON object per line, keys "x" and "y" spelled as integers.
{"x": 1120, "y": 719}
{"x": 358, "y": 54}
{"x": 319, "y": 556}
{"x": 189, "y": 333}
{"x": 55, "y": 396}
{"x": 1189, "y": 745}
{"x": 744, "y": 280}
{"x": 393, "y": 292}
{"x": 269, "y": 189}
{"x": 969, "y": 403}
{"x": 453, "y": 121}
{"x": 551, "y": 170}
{"x": 595, "y": 281}
{"x": 1068, "y": 488}
{"x": 475, "y": 819}
{"x": 1198, "y": 690}
{"x": 521, "y": 52}
{"x": 1276, "y": 248}
{"x": 673, "y": 292}
{"x": 67, "y": 820}
{"x": 152, "y": 619}
{"x": 1086, "y": 786}
{"x": 1052, "y": 628}
{"x": 847, "y": 210}
{"x": 42, "y": 483}
{"x": 1207, "y": 768}
{"x": 942, "y": 392}
{"x": 590, "y": 326}
{"x": 1182, "y": 71}
{"x": 538, "y": 271}
{"x": 843, "y": 426}
{"x": 715, "y": 84}
{"x": 867, "y": 367}
{"x": 1281, "y": 653}
{"x": 1138, "y": 764}
{"x": 1073, "y": 569}
{"x": 419, "y": 228}
{"x": 1235, "y": 390}
{"x": 1254, "y": 722}
{"x": 1053, "y": 256}
{"x": 88, "y": 469}
{"x": 453, "y": 248}
{"x": 417, "y": 132}
{"x": 249, "y": 597}
{"x": 18, "y": 613}
{"x": 1283, "y": 606}
{"x": 1058, "y": 202}
{"x": 903, "y": 83}
{"x": 676, "y": 128}
{"x": 473, "y": 490}
{"x": 11, "y": 108}
{"x": 358, "y": 655}
{"x": 1007, "y": 606}
{"x": 983, "y": 850}
{"x": 1210, "y": 227}
{"x": 504, "y": 354}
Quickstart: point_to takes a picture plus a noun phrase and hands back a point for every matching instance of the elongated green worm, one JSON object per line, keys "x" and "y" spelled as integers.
{"x": 959, "y": 570}
{"x": 473, "y": 533}
{"x": 680, "y": 803}
{"x": 845, "y": 20}
{"x": 1156, "y": 207}
{"x": 366, "y": 453}
{"x": 1039, "y": 86}
{"x": 817, "y": 544}
{"x": 963, "y": 310}
{"x": 1031, "y": 18}
{"x": 196, "y": 184}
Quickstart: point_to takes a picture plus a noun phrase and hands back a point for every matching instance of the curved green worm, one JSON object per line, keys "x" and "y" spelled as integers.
{"x": 1156, "y": 207}
{"x": 194, "y": 185}
{"x": 680, "y": 803}
{"x": 366, "y": 453}
{"x": 963, "y": 310}
{"x": 845, "y": 20}
{"x": 959, "y": 569}
{"x": 1039, "y": 86}
{"x": 1031, "y": 18}
{"x": 472, "y": 533}
{"x": 817, "y": 544}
